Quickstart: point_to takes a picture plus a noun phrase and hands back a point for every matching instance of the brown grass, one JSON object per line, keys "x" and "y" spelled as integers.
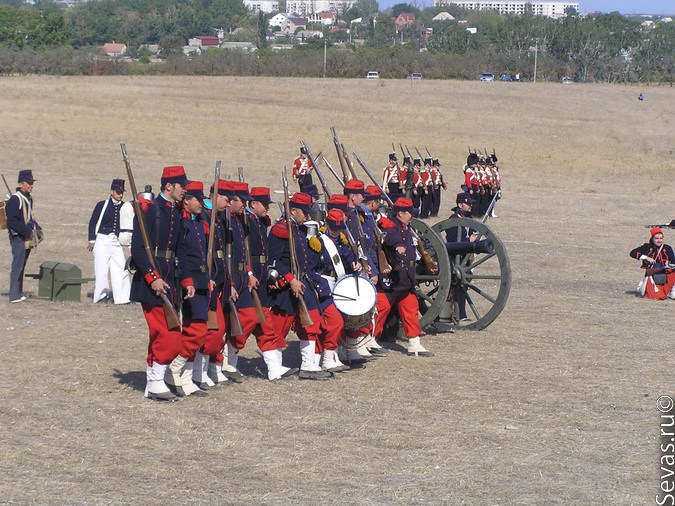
{"x": 555, "y": 402}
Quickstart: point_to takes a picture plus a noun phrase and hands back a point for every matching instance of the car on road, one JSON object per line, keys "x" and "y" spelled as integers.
{"x": 415, "y": 76}
{"x": 373, "y": 75}
{"x": 487, "y": 76}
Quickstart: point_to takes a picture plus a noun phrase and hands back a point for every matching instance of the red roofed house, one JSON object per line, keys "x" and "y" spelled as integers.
{"x": 204, "y": 41}
{"x": 114, "y": 50}
{"x": 325, "y": 18}
{"x": 405, "y": 19}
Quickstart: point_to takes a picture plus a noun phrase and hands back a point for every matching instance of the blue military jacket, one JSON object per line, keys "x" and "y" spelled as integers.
{"x": 15, "y": 220}
{"x": 110, "y": 223}
{"x": 259, "y": 244}
{"x": 280, "y": 259}
{"x": 192, "y": 262}
{"x": 164, "y": 223}
{"x": 403, "y": 265}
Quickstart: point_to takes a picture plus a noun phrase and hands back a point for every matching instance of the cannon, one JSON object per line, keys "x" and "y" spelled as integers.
{"x": 481, "y": 268}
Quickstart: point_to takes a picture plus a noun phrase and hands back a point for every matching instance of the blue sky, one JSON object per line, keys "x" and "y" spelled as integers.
{"x": 623, "y": 6}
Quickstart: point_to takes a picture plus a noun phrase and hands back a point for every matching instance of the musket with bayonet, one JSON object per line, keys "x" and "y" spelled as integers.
{"x": 305, "y": 318}
{"x": 350, "y": 238}
{"x": 382, "y": 262}
{"x": 260, "y": 314}
{"x": 212, "y": 322}
{"x": 170, "y": 313}
{"x": 332, "y": 170}
{"x": 345, "y": 170}
{"x": 9, "y": 192}
{"x": 235, "y": 323}
{"x": 429, "y": 262}
{"x": 664, "y": 225}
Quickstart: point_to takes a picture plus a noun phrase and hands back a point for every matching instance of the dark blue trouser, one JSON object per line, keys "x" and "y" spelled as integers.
{"x": 19, "y": 259}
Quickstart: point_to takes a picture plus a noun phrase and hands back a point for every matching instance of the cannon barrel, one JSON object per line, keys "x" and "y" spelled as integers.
{"x": 464, "y": 248}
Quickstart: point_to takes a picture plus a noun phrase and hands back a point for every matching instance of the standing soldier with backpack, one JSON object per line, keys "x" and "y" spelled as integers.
{"x": 23, "y": 230}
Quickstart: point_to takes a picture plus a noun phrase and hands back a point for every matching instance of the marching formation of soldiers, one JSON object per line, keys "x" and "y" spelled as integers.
{"x": 233, "y": 273}
{"x": 482, "y": 181}
{"x": 418, "y": 179}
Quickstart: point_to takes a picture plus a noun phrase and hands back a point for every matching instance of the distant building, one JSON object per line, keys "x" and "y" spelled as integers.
{"x": 551, "y": 9}
{"x": 288, "y": 23}
{"x": 666, "y": 20}
{"x": 266, "y": 6}
{"x": 443, "y": 16}
{"x": 204, "y": 42}
{"x": 114, "y": 50}
{"x": 303, "y": 35}
{"x": 405, "y": 19}
{"x": 325, "y": 18}
{"x": 306, "y": 7}
{"x": 246, "y": 47}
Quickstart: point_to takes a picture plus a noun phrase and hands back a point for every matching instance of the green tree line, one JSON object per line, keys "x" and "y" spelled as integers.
{"x": 45, "y": 38}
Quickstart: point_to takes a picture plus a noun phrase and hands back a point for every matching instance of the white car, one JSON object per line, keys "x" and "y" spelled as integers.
{"x": 487, "y": 76}
{"x": 416, "y": 76}
{"x": 373, "y": 75}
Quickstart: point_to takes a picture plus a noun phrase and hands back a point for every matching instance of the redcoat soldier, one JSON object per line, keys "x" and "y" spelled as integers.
{"x": 391, "y": 178}
{"x": 470, "y": 175}
{"x": 418, "y": 186}
{"x": 302, "y": 169}
{"x": 426, "y": 189}
{"x": 196, "y": 288}
{"x": 109, "y": 257}
{"x": 162, "y": 218}
{"x": 22, "y": 229}
{"x": 288, "y": 289}
{"x": 270, "y": 343}
{"x": 437, "y": 178}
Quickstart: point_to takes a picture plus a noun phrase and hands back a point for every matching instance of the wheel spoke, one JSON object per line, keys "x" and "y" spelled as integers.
{"x": 483, "y": 276}
{"x": 425, "y": 296}
{"x": 473, "y": 309}
{"x": 481, "y": 292}
{"x": 426, "y": 277}
{"x": 482, "y": 259}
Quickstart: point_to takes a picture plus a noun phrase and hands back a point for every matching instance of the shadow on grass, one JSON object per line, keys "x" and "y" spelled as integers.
{"x": 131, "y": 379}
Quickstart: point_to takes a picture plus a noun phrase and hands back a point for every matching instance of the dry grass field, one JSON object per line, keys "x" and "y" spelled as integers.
{"x": 553, "y": 403}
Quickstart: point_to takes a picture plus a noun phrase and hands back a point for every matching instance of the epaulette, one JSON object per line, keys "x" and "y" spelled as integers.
{"x": 323, "y": 229}
{"x": 145, "y": 203}
{"x": 207, "y": 228}
{"x": 315, "y": 244}
{"x": 385, "y": 223}
{"x": 343, "y": 239}
{"x": 280, "y": 230}
{"x": 361, "y": 218}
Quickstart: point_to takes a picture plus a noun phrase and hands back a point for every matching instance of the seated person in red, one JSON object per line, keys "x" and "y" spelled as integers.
{"x": 658, "y": 261}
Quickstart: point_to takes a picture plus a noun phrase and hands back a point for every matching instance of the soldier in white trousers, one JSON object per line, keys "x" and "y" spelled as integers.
{"x": 104, "y": 240}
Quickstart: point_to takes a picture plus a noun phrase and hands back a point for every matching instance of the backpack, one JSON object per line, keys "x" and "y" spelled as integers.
{"x": 3, "y": 215}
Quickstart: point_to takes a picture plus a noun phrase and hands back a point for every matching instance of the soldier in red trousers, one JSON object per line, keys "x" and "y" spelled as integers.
{"x": 163, "y": 222}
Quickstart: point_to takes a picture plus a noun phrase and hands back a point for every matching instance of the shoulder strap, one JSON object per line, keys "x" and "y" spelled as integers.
{"x": 333, "y": 254}
{"x": 100, "y": 216}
